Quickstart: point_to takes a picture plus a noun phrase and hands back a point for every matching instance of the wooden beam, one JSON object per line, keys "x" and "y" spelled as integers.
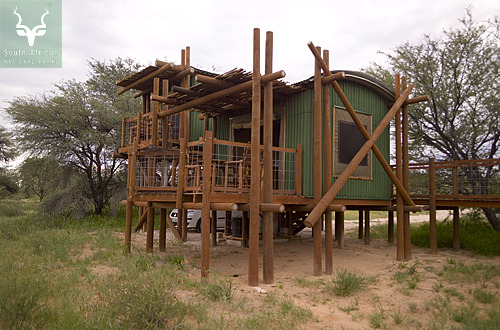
{"x": 162, "y": 239}
{"x": 362, "y": 129}
{"x": 267, "y": 180}
{"x": 213, "y": 81}
{"x": 342, "y": 179}
{"x": 263, "y": 207}
{"x": 254, "y": 198}
{"x": 329, "y": 78}
{"x": 390, "y": 227}
{"x": 182, "y": 74}
{"x": 339, "y": 217}
{"x": 144, "y": 92}
{"x": 367, "y": 227}
{"x": 400, "y": 248}
{"x": 141, "y": 221}
{"x": 150, "y": 230}
{"x": 317, "y": 168}
{"x": 327, "y": 167}
{"x": 406, "y": 173}
{"x": 153, "y": 74}
{"x": 205, "y": 211}
{"x": 217, "y": 95}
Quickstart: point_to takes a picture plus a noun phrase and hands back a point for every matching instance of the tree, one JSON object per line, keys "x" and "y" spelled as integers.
{"x": 6, "y": 146}
{"x": 8, "y": 184}
{"x": 460, "y": 73}
{"x": 80, "y": 124}
{"x": 41, "y": 176}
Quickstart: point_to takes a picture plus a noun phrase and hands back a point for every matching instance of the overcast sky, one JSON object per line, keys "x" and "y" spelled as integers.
{"x": 220, "y": 34}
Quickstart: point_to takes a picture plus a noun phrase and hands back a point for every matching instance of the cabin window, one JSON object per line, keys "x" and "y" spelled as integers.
{"x": 348, "y": 141}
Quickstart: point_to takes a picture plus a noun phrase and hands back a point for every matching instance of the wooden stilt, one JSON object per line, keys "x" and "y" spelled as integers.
{"x": 390, "y": 227}
{"x": 184, "y": 224}
{"x": 162, "y": 239}
{"x": 317, "y": 239}
{"x": 267, "y": 191}
{"x": 367, "y": 227}
{"x": 254, "y": 198}
{"x": 339, "y": 217}
{"x": 406, "y": 174}
{"x": 432, "y": 206}
{"x": 205, "y": 211}
{"x": 456, "y": 228}
{"x": 400, "y": 249}
{"x": 360, "y": 224}
{"x": 327, "y": 169}
{"x": 150, "y": 229}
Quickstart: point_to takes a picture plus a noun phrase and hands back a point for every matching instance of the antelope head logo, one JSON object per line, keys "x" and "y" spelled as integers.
{"x": 37, "y": 31}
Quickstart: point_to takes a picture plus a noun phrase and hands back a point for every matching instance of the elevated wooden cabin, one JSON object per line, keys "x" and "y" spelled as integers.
{"x": 283, "y": 154}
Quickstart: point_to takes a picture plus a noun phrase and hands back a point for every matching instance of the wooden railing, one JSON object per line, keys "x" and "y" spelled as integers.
{"x": 142, "y": 127}
{"x": 457, "y": 180}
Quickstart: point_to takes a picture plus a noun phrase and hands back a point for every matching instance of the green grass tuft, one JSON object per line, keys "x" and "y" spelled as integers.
{"x": 346, "y": 283}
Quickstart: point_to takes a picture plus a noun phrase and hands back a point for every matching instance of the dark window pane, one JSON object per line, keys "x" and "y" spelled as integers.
{"x": 350, "y": 141}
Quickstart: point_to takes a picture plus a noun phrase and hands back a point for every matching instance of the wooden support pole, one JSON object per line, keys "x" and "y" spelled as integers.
{"x": 406, "y": 174}
{"x": 254, "y": 198}
{"x": 339, "y": 217}
{"x": 432, "y": 206}
{"x": 205, "y": 211}
{"x": 342, "y": 179}
{"x": 367, "y": 227}
{"x": 154, "y": 118}
{"x": 206, "y": 123}
{"x": 456, "y": 228}
{"x": 165, "y": 141}
{"x": 360, "y": 224}
{"x": 390, "y": 227}
{"x": 181, "y": 180}
{"x": 151, "y": 225}
{"x": 267, "y": 191}
{"x": 217, "y": 95}
{"x": 213, "y": 228}
{"x": 387, "y": 168}
{"x": 327, "y": 167}
{"x": 317, "y": 170}
{"x": 186, "y": 82}
{"x": 146, "y": 78}
{"x": 162, "y": 239}
{"x": 400, "y": 249}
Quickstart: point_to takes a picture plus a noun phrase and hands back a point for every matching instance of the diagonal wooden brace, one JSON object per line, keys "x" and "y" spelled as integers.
{"x": 327, "y": 199}
{"x": 387, "y": 168}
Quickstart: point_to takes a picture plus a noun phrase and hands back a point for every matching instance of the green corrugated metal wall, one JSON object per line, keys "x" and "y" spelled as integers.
{"x": 299, "y": 129}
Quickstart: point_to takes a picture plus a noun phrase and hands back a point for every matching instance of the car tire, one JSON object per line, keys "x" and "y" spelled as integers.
{"x": 198, "y": 226}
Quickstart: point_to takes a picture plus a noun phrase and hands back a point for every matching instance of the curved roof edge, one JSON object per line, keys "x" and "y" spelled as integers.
{"x": 358, "y": 77}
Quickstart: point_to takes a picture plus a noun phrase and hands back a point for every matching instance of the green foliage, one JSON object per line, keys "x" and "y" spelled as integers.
{"x": 217, "y": 289}
{"x": 346, "y": 282}
{"x": 475, "y": 235}
{"x": 460, "y": 72}
{"x": 42, "y": 176}
{"x": 483, "y": 296}
{"x": 80, "y": 124}
{"x": 6, "y": 145}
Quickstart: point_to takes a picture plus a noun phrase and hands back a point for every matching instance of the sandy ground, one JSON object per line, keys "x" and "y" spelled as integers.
{"x": 294, "y": 260}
